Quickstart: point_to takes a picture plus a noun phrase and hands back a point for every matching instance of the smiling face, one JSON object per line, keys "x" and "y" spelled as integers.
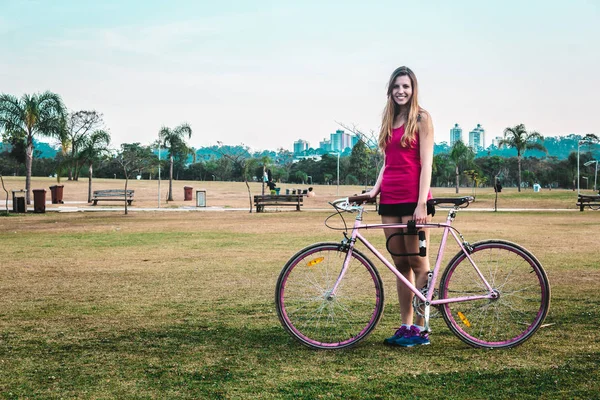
{"x": 402, "y": 90}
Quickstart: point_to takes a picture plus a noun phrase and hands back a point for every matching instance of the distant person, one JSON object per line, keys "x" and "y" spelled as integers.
{"x": 271, "y": 185}
{"x": 498, "y": 187}
{"x": 311, "y": 192}
{"x": 406, "y": 140}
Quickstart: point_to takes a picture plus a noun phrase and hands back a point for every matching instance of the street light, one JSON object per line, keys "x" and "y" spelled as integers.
{"x": 159, "y": 170}
{"x": 338, "y": 172}
{"x": 579, "y": 142}
{"x": 595, "y": 173}
{"x": 586, "y": 181}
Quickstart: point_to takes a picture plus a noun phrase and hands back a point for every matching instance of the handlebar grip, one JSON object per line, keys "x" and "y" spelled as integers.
{"x": 359, "y": 199}
{"x": 422, "y": 244}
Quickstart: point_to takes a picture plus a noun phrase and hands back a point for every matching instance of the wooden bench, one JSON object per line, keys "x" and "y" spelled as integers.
{"x": 591, "y": 201}
{"x": 280, "y": 200}
{"x": 113, "y": 195}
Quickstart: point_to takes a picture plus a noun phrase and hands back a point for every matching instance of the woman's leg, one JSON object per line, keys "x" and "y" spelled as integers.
{"x": 397, "y": 245}
{"x": 419, "y": 265}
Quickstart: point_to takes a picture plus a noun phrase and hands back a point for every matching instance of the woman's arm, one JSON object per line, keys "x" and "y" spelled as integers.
{"x": 425, "y": 127}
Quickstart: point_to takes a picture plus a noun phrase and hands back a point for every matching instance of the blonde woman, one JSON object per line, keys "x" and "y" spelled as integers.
{"x": 406, "y": 140}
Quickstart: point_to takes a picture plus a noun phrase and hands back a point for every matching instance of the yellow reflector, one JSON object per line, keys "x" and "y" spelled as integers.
{"x": 314, "y": 262}
{"x": 464, "y": 319}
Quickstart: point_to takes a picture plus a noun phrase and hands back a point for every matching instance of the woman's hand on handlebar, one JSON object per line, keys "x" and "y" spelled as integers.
{"x": 359, "y": 199}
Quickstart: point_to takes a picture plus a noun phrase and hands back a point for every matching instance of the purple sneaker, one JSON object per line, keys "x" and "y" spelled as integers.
{"x": 400, "y": 333}
{"x": 414, "y": 337}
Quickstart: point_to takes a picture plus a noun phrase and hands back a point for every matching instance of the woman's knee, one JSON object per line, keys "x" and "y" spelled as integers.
{"x": 402, "y": 265}
{"x": 419, "y": 264}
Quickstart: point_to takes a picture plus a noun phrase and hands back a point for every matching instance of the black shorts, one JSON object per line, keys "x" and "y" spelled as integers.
{"x": 402, "y": 209}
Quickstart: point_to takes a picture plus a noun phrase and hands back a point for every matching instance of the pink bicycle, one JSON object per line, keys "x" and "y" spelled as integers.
{"x": 492, "y": 294}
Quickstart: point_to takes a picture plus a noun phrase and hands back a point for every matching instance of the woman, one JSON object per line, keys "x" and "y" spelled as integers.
{"x": 406, "y": 140}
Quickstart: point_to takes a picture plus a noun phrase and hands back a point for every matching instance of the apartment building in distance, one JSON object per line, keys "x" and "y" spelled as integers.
{"x": 477, "y": 138}
{"x": 338, "y": 141}
{"x": 301, "y": 146}
{"x": 455, "y": 135}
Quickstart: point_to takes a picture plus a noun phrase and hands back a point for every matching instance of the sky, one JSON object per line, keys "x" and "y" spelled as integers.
{"x": 266, "y": 73}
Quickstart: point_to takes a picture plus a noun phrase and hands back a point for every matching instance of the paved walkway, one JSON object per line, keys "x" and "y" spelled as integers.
{"x": 75, "y": 206}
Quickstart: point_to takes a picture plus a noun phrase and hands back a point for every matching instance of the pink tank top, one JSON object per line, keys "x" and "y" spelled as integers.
{"x": 400, "y": 183}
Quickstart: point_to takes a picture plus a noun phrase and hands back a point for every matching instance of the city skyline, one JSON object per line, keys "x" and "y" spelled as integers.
{"x": 264, "y": 74}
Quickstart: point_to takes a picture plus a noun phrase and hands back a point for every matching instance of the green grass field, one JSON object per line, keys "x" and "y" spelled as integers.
{"x": 180, "y": 305}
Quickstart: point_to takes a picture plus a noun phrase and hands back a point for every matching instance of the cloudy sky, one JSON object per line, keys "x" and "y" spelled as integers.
{"x": 266, "y": 73}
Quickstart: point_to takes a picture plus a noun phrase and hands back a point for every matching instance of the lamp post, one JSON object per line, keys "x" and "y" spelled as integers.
{"x": 159, "y": 171}
{"x": 578, "y": 145}
{"x": 596, "y": 171}
{"x": 338, "y": 173}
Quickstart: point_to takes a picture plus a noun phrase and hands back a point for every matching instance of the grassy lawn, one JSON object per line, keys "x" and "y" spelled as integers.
{"x": 180, "y": 305}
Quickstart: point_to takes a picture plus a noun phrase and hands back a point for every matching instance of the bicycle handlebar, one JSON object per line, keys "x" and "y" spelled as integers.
{"x": 354, "y": 203}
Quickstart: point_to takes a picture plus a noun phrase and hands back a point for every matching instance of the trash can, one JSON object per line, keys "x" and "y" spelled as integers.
{"x": 287, "y": 191}
{"x": 187, "y": 193}
{"x": 18, "y": 201}
{"x": 39, "y": 200}
{"x": 56, "y": 193}
{"x": 277, "y": 191}
{"x": 201, "y": 198}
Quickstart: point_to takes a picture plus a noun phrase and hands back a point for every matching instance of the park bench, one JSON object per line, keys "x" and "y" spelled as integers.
{"x": 591, "y": 201}
{"x": 278, "y": 200}
{"x": 112, "y": 195}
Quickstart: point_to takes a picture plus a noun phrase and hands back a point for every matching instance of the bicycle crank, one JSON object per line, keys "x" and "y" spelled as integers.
{"x": 419, "y": 305}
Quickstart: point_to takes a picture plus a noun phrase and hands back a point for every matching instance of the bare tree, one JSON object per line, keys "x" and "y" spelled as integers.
{"x": 371, "y": 142}
{"x": 131, "y": 158}
{"x": 244, "y": 163}
{"x": 80, "y": 126}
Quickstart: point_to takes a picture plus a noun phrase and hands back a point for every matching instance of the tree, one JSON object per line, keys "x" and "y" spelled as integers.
{"x": 132, "y": 158}
{"x": 462, "y": 157}
{"x": 42, "y": 114}
{"x": 442, "y": 170}
{"x": 370, "y": 141}
{"x": 174, "y": 139}
{"x": 92, "y": 148}
{"x": 18, "y": 150}
{"x": 79, "y": 126}
{"x": 359, "y": 161}
{"x": 240, "y": 160}
{"x": 518, "y": 138}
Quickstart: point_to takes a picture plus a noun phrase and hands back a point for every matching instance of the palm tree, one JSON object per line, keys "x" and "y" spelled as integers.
{"x": 462, "y": 157}
{"x": 174, "y": 139}
{"x": 65, "y": 148}
{"x": 42, "y": 114}
{"x": 91, "y": 150}
{"x": 518, "y": 138}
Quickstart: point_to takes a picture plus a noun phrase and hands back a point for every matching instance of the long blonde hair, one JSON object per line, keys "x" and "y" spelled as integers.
{"x": 392, "y": 109}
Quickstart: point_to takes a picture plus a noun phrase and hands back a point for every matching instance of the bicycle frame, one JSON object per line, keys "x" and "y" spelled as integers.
{"x": 428, "y": 298}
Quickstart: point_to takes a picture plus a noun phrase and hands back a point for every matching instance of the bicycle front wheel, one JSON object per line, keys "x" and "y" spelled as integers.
{"x": 312, "y": 314}
{"x": 519, "y": 283}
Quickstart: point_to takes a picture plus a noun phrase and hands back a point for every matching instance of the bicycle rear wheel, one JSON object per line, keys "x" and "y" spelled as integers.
{"x": 309, "y": 312}
{"x": 521, "y": 285}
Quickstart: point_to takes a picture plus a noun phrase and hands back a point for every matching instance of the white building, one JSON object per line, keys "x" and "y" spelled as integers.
{"x": 300, "y": 146}
{"x": 477, "y": 138}
{"x": 455, "y": 134}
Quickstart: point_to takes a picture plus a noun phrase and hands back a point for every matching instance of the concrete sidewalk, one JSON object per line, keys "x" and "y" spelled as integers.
{"x": 85, "y": 207}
